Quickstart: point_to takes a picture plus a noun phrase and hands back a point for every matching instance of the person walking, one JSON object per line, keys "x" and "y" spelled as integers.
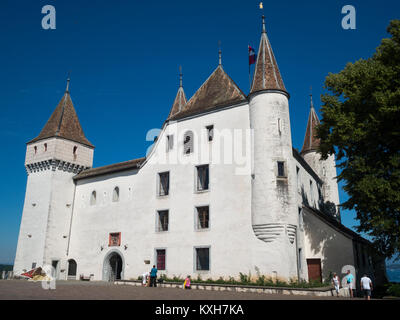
{"x": 349, "y": 281}
{"x": 153, "y": 276}
{"x": 336, "y": 282}
{"x": 366, "y": 286}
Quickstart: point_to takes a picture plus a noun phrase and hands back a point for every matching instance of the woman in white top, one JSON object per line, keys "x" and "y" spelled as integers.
{"x": 336, "y": 282}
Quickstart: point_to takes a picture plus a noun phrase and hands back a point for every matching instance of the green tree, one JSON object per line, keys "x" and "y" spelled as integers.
{"x": 361, "y": 121}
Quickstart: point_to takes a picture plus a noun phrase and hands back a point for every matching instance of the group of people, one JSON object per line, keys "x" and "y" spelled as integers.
{"x": 365, "y": 284}
{"x": 149, "y": 279}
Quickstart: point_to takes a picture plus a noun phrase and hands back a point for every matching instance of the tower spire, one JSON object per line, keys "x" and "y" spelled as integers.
{"x": 311, "y": 142}
{"x": 266, "y": 73}
{"x": 180, "y": 99}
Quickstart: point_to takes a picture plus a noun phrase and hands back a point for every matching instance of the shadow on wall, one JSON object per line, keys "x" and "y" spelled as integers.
{"x": 325, "y": 242}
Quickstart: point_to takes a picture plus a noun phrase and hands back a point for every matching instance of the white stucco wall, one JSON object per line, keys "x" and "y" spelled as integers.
{"x": 322, "y": 241}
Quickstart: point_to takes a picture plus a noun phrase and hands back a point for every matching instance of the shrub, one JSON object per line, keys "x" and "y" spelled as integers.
{"x": 394, "y": 289}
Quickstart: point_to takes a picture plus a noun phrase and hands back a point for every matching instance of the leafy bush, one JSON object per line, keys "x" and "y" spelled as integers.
{"x": 394, "y": 289}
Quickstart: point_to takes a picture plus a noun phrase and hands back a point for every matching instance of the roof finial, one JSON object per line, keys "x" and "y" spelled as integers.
{"x": 68, "y": 80}
{"x": 311, "y": 101}
{"x": 219, "y": 53}
{"x": 263, "y": 24}
{"x": 180, "y": 77}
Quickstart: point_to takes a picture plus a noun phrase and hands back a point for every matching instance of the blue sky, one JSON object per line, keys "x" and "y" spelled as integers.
{"x": 124, "y": 58}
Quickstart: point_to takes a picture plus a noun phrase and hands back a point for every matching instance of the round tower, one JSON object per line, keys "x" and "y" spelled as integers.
{"x": 325, "y": 169}
{"x": 274, "y": 208}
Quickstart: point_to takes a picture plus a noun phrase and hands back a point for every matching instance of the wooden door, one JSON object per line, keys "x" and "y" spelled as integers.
{"x": 314, "y": 269}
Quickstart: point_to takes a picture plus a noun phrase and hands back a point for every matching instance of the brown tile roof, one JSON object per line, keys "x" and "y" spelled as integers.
{"x": 311, "y": 143}
{"x": 217, "y": 91}
{"x": 64, "y": 123}
{"x": 266, "y": 73}
{"x": 112, "y": 168}
{"x": 179, "y": 103}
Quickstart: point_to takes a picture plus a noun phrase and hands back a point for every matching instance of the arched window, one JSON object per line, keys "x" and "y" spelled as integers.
{"x": 116, "y": 194}
{"x": 188, "y": 142}
{"x": 93, "y": 198}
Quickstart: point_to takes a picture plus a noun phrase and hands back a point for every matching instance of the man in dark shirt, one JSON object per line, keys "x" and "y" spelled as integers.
{"x": 153, "y": 277}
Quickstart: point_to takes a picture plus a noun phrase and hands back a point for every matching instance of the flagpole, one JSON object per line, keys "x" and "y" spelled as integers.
{"x": 248, "y": 58}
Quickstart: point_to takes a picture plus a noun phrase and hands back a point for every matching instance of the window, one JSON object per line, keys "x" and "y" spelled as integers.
{"x": 210, "y": 132}
{"x": 114, "y": 239}
{"x": 160, "y": 253}
{"x": 116, "y": 194}
{"x": 35, "y": 148}
{"x": 33, "y": 265}
{"x": 162, "y": 218}
{"x": 93, "y": 198}
{"x": 281, "y": 169}
{"x": 170, "y": 142}
{"x": 45, "y": 147}
{"x": 203, "y": 217}
{"x": 163, "y": 183}
{"x": 188, "y": 142}
{"x": 300, "y": 218}
{"x": 202, "y": 259}
{"x": 279, "y": 126}
{"x": 299, "y": 259}
{"x": 202, "y": 177}
{"x": 311, "y": 192}
{"x": 298, "y": 178}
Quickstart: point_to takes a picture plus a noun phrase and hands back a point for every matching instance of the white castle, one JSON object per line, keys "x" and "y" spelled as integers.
{"x": 181, "y": 207}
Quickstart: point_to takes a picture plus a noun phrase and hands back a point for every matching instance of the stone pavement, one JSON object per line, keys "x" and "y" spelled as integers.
{"x": 98, "y": 290}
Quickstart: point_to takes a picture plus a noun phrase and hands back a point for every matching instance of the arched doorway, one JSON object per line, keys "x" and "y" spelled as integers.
{"x": 72, "y": 266}
{"x": 113, "y": 268}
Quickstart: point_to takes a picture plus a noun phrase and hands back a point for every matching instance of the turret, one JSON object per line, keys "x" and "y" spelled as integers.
{"x": 274, "y": 208}
{"x": 59, "y": 152}
{"x": 326, "y": 169}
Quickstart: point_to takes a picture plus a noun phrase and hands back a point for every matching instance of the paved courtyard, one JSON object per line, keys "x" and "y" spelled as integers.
{"x": 98, "y": 290}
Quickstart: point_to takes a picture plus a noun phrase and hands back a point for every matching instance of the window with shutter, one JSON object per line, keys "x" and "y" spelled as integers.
{"x": 160, "y": 259}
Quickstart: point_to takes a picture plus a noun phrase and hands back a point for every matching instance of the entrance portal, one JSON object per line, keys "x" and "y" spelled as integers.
{"x": 113, "y": 267}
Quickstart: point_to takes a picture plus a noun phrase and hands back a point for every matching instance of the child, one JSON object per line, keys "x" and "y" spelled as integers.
{"x": 186, "y": 284}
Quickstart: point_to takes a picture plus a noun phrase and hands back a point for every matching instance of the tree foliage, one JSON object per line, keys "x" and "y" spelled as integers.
{"x": 361, "y": 122}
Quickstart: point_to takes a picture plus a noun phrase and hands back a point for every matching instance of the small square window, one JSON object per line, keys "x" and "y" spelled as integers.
{"x": 210, "y": 132}
{"x": 163, "y": 184}
{"x": 162, "y": 220}
{"x": 281, "y": 169}
{"x": 203, "y": 217}
{"x": 202, "y": 259}
{"x": 202, "y": 177}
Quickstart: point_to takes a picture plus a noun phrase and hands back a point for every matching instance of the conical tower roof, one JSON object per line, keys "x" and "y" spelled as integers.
{"x": 311, "y": 142}
{"x": 217, "y": 91}
{"x": 64, "y": 123}
{"x": 180, "y": 99}
{"x": 266, "y": 74}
